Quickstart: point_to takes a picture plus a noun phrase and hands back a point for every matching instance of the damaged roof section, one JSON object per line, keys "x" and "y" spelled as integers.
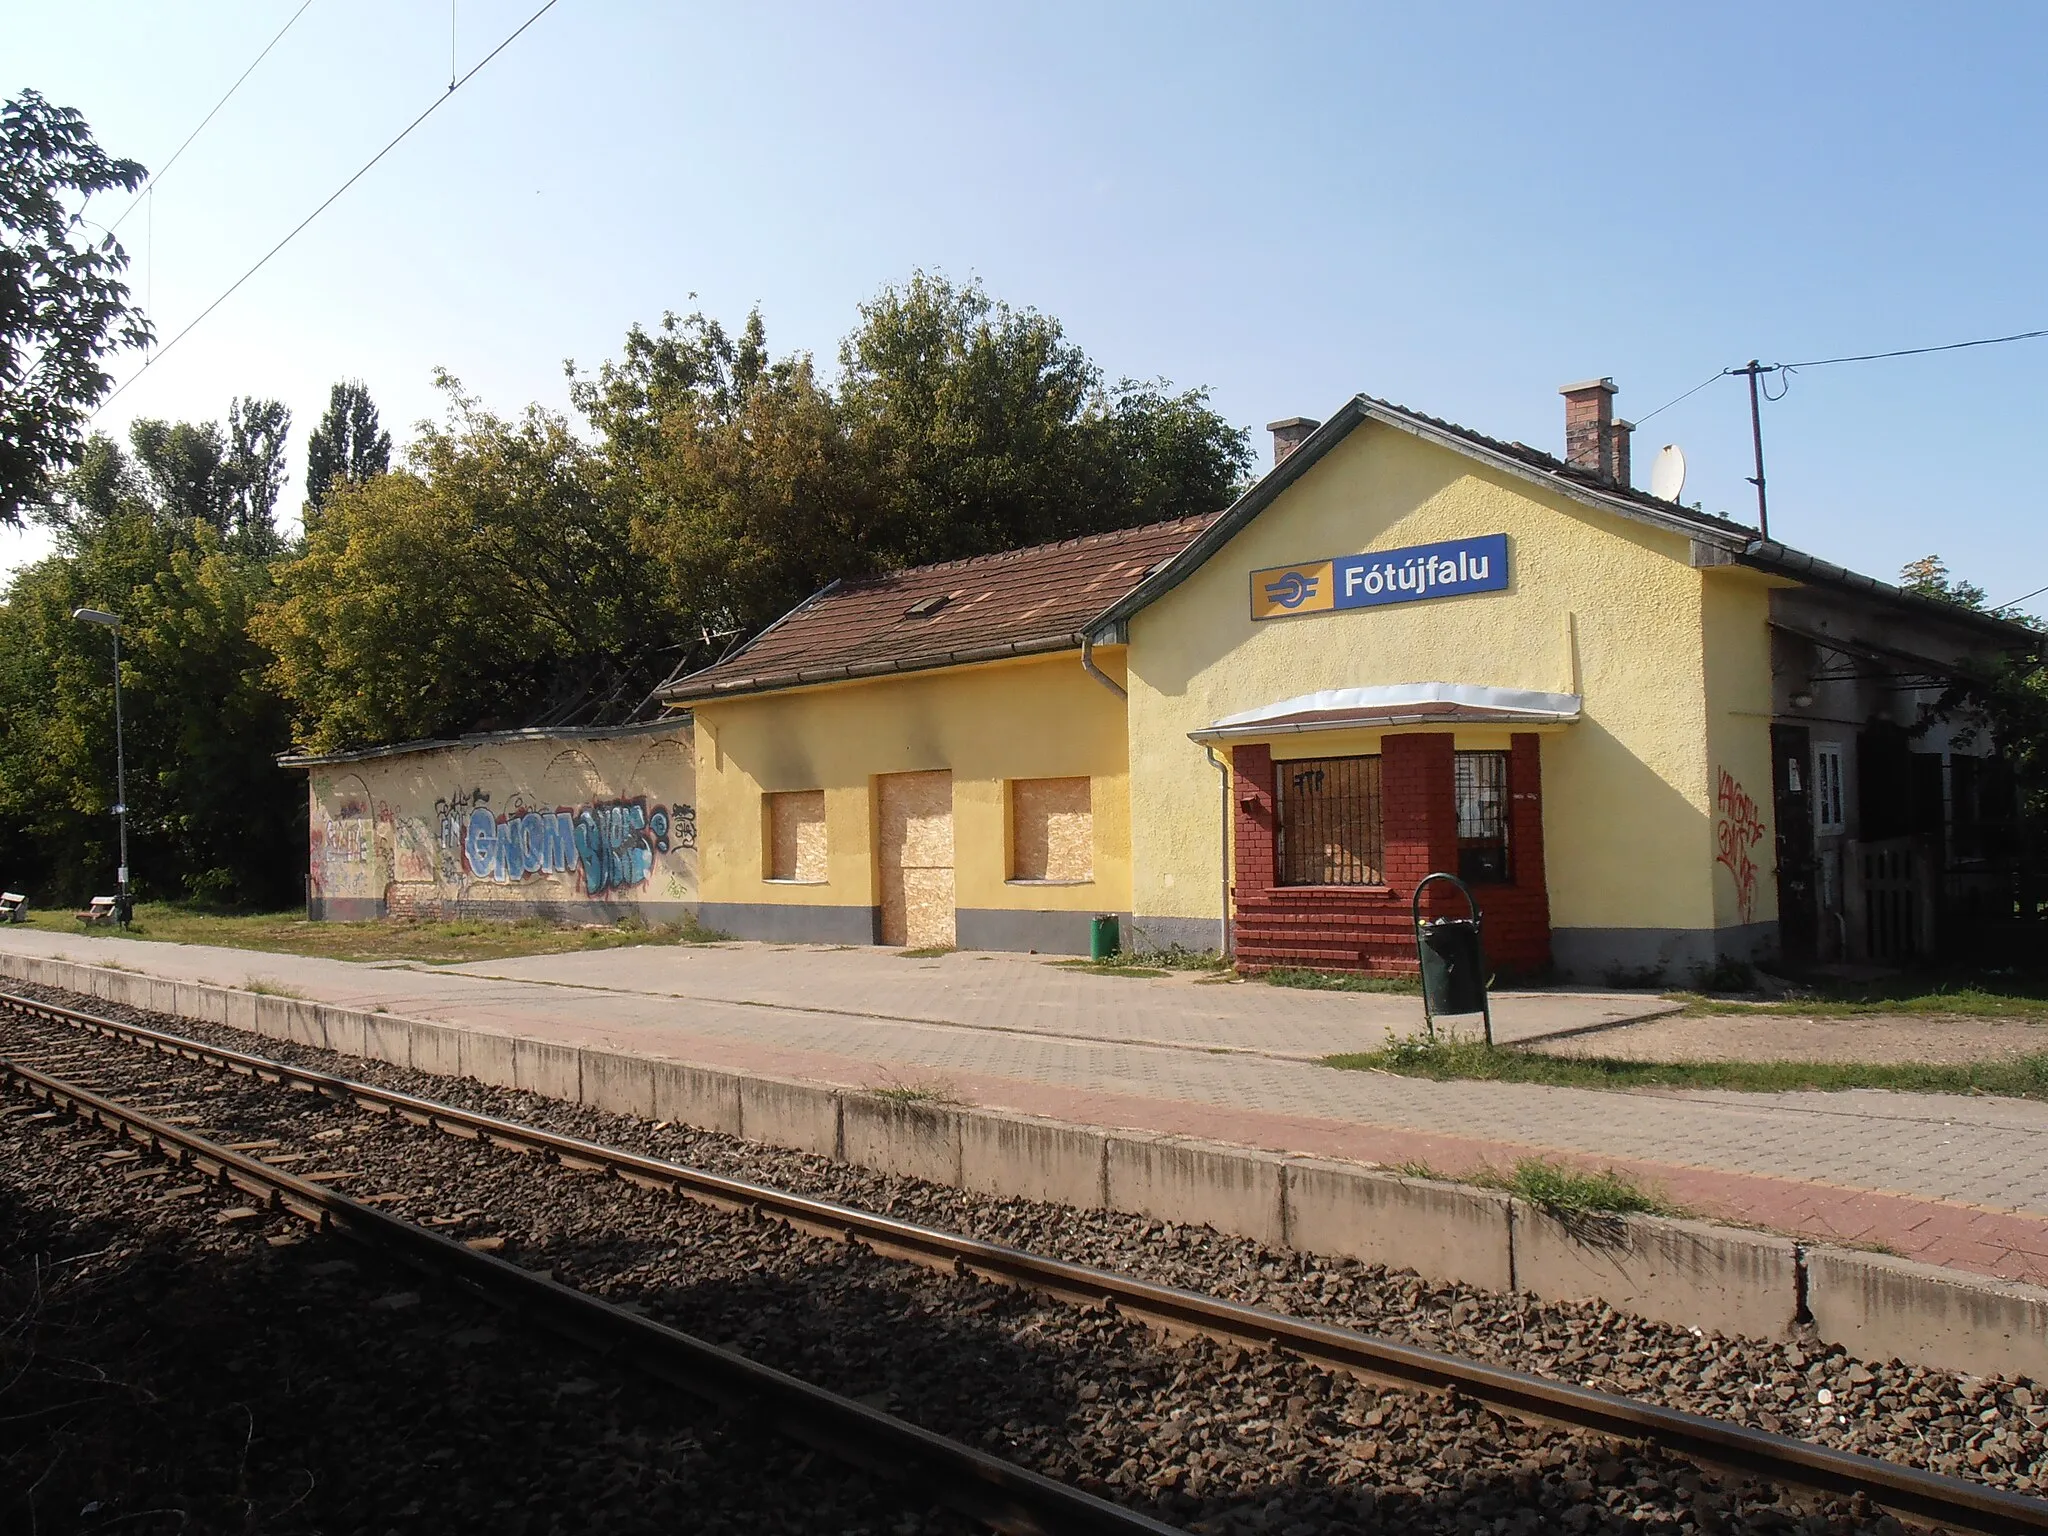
{"x": 1020, "y": 603}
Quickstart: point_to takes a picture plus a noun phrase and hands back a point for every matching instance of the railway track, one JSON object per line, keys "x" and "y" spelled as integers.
{"x": 987, "y": 1487}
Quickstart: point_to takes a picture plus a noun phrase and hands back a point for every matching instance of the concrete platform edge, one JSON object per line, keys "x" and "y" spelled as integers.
{"x": 1692, "y": 1274}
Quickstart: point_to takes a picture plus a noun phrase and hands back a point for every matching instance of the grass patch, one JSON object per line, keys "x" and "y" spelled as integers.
{"x": 1109, "y": 968}
{"x": 1976, "y": 1000}
{"x": 1177, "y": 957}
{"x": 932, "y": 1091}
{"x": 1445, "y": 1058}
{"x": 1559, "y": 1187}
{"x": 263, "y": 986}
{"x": 417, "y": 940}
{"x": 1338, "y": 981}
{"x": 929, "y": 952}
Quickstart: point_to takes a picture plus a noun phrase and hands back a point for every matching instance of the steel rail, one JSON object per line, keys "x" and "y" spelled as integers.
{"x": 1907, "y": 1491}
{"x": 987, "y": 1488}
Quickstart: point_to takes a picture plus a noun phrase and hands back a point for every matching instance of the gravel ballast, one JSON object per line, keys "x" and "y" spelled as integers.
{"x": 1203, "y": 1436}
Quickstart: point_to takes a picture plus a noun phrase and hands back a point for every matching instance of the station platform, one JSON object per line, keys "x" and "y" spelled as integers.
{"x": 1956, "y": 1181}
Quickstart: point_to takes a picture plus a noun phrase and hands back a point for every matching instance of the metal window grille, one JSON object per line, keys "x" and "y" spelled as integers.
{"x": 1482, "y": 793}
{"x": 1330, "y": 821}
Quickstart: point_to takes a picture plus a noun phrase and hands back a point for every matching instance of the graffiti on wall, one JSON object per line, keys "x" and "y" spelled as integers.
{"x": 608, "y": 845}
{"x": 1739, "y": 828}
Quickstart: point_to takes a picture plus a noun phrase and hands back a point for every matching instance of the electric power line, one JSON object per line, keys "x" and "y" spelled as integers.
{"x": 332, "y": 198}
{"x": 1703, "y": 383}
{"x": 1952, "y": 346}
{"x": 158, "y": 175}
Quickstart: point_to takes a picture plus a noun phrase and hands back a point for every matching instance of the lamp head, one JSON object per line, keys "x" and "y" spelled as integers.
{"x": 97, "y": 616}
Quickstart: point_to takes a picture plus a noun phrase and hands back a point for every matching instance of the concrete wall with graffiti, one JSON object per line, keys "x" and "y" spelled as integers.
{"x": 585, "y": 826}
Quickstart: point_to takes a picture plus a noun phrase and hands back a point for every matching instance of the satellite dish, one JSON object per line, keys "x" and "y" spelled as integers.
{"x": 1667, "y": 475}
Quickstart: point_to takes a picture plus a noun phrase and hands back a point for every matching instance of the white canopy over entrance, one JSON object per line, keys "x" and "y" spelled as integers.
{"x": 1391, "y": 704}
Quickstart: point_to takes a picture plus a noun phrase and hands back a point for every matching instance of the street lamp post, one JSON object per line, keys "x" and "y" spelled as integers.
{"x": 111, "y": 621}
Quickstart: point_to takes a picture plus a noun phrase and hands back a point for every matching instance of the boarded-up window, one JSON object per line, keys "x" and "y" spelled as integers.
{"x": 796, "y": 835}
{"x": 1330, "y": 821}
{"x": 1052, "y": 829}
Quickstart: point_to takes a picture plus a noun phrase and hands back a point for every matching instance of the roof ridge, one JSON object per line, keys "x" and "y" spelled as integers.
{"x": 994, "y": 556}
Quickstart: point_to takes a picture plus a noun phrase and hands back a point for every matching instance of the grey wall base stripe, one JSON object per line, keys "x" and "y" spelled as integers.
{"x": 776, "y": 923}
{"x": 1048, "y": 933}
{"x": 1204, "y": 935}
{"x": 344, "y": 909}
{"x": 355, "y": 909}
{"x": 1610, "y": 955}
{"x": 1689, "y": 1273}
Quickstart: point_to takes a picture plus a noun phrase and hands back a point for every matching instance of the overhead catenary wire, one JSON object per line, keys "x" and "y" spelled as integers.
{"x": 328, "y": 202}
{"x": 158, "y": 174}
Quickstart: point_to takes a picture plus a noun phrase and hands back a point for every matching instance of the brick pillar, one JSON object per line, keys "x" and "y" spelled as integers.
{"x": 1525, "y": 810}
{"x": 1254, "y": 817}
{"x": 1418, "y": 810}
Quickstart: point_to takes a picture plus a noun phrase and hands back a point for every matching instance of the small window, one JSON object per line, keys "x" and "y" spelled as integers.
{"x": 1330, "y": 821}
{"x": 1052, "y": 830}
{"x": 1827, "y": 788}
{"x": 925, "y": 607}
{"x": 795, "y": 826}
{"x": 1482, "y": 794}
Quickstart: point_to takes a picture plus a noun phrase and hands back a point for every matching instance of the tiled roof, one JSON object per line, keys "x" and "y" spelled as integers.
{"x": 1550, "y": 464}
{"x": 1013, "y": 604}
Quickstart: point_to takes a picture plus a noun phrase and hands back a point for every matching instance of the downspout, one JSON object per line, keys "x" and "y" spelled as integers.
{"x": 1102, "y": 677}
{"x": 1223, "y": 923}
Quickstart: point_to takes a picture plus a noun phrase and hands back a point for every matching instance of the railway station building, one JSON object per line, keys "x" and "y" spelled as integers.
{"x": 1649, "y": 739}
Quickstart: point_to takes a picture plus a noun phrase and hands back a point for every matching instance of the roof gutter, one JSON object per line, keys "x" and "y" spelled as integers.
{"x": 1770, "y": 555}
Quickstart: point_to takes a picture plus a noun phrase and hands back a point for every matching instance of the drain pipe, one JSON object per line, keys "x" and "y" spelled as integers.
{"x": 1223, "y": 923}
{"x": 1102, "y": 677}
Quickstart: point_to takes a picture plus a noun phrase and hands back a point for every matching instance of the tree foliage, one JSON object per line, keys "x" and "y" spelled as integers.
{"x": 210, "y": 813}
{"x": 348, "y": 445}
{"x": 63, "y": 306}
{"x": 488, "y": 584}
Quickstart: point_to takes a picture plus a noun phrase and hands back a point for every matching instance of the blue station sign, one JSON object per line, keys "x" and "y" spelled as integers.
{"x": 1422, "y": 571}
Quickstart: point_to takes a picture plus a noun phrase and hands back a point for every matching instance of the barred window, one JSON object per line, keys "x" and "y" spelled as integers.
{"x": 1482, "y": 793}
{"x": 1330, "y": 821}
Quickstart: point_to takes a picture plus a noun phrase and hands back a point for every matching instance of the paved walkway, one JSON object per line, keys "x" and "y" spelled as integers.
{"x": 1952, "y": 1180}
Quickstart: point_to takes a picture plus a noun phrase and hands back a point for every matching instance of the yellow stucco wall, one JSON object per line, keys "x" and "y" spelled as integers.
{"x": 611, "y": 819}
{"x": 1738, "y": 651}
{"x": 1598, "y": 604}
{"x": 989, "y": 724}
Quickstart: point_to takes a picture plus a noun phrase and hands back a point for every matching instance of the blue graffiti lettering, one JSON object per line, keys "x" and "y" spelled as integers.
{"x": 612, "y": 844}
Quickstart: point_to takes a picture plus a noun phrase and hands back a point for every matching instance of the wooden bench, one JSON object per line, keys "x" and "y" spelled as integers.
{"x": 13, "y": 907}
{"x": 104, "y": 909}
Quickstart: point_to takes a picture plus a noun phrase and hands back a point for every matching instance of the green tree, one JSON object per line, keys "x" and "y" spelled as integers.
{"x": 63, "y": 307}
{"x": 348, "y": 445}
{"x": 255, "y": 472}
{"x": 988, "y": 429}
{"x": 1928, "y": 577}
{"x": 210, "y": 813}
{"x": 487, "y": 584}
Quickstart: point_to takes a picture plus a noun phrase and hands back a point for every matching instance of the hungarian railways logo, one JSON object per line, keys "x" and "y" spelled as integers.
{"x": 1421, "y": 571}
{"x": 1291, "y": 590}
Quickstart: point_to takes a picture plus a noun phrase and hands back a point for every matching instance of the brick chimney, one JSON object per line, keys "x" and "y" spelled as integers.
{"x": 1290, "y": 434}
{"x": 1593, "y": 439}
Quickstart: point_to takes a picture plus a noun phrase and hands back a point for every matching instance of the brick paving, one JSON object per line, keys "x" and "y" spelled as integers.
{"x": 1945, "y": 1179}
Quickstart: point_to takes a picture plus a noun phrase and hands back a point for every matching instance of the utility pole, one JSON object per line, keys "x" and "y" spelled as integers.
{"x": 109, "y": 621}
{"x": 1756, "y": 436}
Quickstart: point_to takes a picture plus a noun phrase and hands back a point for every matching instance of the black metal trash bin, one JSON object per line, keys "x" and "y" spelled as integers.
{"x": 1452, "y": 955}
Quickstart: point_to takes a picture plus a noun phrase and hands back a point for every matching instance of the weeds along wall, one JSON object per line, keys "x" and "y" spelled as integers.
{"x": 578, "y": 826}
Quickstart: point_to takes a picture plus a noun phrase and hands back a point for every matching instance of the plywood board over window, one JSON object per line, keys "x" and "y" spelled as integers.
{"x": 916, "y": 848}
{"x": 1052, "y": 829}
{"x": 796, "y": 835}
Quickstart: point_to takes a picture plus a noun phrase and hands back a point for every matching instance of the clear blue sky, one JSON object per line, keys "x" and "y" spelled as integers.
{"x": 1458, "y": 207}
